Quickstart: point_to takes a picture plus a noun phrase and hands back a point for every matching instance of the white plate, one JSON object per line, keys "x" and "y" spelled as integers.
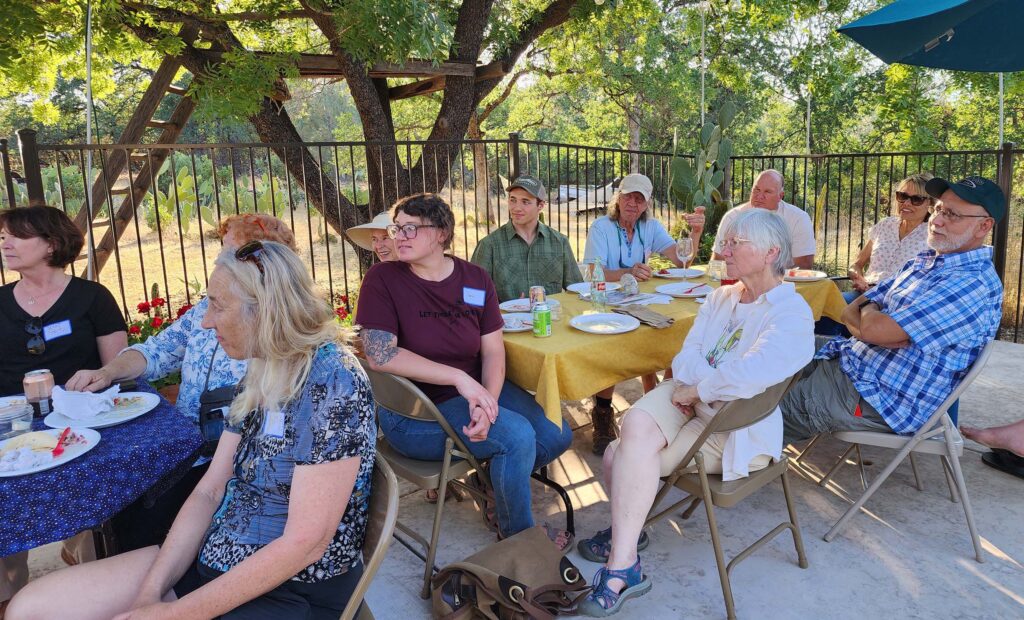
{"x": 684, "y": 290}
{"x": 120, "y": 414}
{"x": 70, "y": 452}
{"x": 12, "y": 400}
{"x": 679, "y": 273}
{"x": 516, "y": 305}
{"x": 805, "y": 275}
{"x": 583, "y": 288}
{"x": 518, "y": 321}
{"x": 604, "y": 323}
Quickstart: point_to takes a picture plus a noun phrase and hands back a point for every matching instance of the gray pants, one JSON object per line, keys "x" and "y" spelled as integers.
{"x": 824, "y": 400}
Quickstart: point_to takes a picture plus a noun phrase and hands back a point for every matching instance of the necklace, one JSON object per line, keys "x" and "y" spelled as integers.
{"x": 32, "y": 299}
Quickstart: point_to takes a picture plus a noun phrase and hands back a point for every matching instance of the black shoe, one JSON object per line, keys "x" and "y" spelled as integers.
{"x": 604, "y": 428}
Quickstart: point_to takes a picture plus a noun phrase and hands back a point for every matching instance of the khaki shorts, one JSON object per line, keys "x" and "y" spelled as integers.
{"x": 681, "y": 433}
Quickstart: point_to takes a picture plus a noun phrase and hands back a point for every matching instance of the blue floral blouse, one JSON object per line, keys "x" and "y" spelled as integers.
{"x": 332, "y": 419}
{"x": 187, "y": 347}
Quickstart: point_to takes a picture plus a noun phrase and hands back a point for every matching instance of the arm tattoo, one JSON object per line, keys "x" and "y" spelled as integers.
{"x": 380, "y": 346}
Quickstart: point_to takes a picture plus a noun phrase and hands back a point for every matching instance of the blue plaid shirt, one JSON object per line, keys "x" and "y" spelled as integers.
{"x": 950, "y": 305}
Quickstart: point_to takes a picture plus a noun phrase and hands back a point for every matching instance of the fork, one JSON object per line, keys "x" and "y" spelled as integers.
{"x": 59, "y": 450}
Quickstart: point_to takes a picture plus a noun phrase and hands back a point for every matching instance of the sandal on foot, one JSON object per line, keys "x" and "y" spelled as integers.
{"x": 598, "y": 547}
{"x": 562, "y": 539}
{"x": 451, "y": 491}
{"x": 1004, "y": 460}
{"x": 603, "y": 601}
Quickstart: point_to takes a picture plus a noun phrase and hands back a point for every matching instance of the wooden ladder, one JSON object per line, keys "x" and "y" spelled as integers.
{"x": 132, "y": 188}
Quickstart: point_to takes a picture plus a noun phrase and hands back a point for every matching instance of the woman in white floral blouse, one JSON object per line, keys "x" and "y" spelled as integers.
{"x": 274, "y": 528}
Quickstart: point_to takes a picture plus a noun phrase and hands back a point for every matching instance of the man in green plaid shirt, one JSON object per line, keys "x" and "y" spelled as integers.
{"x": 526, "y": 252}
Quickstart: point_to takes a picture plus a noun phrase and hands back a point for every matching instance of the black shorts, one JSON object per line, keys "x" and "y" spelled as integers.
{"x": 324, "y": 600}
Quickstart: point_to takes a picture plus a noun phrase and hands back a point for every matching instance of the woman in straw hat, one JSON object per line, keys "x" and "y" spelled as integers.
{"x": 373, "y": 237}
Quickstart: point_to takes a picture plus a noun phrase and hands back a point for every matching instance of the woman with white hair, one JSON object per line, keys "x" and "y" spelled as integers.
{"x": 275, "y": 527}
{"x": 748, "y": 337}
{"x": 373, "y": 236}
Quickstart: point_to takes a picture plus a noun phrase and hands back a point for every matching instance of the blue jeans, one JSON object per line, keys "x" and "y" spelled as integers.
{"x": 521, "y": 441}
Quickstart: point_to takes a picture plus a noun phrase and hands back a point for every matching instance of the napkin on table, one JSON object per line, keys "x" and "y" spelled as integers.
{"x": 646, "y": 315}
{"x": 83, "y": 405}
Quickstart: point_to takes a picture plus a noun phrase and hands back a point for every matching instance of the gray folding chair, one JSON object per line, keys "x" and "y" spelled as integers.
{"x": 401, "y": 395}
{"x": 937, "y": 436}
{"x": 379, "y": 530}
{"x": 713, "y": 491}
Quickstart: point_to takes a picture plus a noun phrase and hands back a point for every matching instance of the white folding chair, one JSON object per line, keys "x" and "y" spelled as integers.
{"x": 937, "y": 436}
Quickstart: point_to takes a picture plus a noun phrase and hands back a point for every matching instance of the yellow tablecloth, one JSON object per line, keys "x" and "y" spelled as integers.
{"x": 572, "y": 365}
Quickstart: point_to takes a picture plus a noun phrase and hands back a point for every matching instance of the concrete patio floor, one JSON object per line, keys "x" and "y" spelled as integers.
{"x": 907, "y": 555}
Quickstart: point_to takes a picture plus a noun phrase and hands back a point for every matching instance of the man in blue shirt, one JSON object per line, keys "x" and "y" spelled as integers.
{"x": 916, "y": 334}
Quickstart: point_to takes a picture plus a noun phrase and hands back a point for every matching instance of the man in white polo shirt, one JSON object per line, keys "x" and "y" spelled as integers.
{"x": 768, "y": 193}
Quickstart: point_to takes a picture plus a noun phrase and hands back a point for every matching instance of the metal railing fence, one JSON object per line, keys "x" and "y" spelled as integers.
{"x": 169, "y": 236}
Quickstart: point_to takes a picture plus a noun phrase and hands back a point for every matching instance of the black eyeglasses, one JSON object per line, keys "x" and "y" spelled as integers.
{"x": 409, "y": 230}
{"x": 250, "y": 253}
{"x": 952, "y": 216}
{"x": 915, "y": 200}
{"x": 36, "y": 344}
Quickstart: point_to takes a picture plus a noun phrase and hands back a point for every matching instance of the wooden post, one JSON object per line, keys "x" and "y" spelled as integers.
{"x": 5, "y": 161}
{"x": 513, "y": 155}
{"x": 30, "y": 166}
{"x": 1001, "y": 233}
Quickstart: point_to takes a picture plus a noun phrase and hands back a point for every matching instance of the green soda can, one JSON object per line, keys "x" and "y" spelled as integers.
{"x": 541, "y": 320}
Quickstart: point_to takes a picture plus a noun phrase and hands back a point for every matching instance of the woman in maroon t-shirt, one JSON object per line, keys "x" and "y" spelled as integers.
{"x": 434, "y": 319}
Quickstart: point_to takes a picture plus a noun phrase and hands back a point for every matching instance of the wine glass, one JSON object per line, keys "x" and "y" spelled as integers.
{"x": 684, "y": 250}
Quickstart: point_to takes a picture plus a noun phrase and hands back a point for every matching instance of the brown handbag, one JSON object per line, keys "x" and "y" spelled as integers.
{"x": 523, "y": 576}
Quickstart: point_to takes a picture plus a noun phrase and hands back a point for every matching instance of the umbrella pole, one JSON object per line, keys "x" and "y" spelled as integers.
{"x": 1001, "y": 117}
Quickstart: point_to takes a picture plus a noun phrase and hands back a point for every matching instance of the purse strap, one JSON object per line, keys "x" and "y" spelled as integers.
{"x": 209, "y": 368}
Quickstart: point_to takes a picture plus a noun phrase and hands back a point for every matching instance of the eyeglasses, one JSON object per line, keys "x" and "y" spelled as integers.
{"x": 409, "y": 230}
{"x": 952, "y": 216}
{"x": 729, "y": 244}
{"x": 36, "y": 344}
{"x": 250, "y": 253}
{"x": 915, "y": 200}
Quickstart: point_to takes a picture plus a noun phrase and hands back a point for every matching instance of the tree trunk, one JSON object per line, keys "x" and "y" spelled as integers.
{"x": 485, "y": 207}
{"x": 634, "y": 138}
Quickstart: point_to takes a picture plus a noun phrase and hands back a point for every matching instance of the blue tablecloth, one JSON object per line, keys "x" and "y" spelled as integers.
{"x": 130, "y": 459}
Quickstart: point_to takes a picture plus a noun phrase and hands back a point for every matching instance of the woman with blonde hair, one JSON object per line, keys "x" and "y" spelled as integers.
{"x": 208, "y": 380}
{"x": 275, "y": 527}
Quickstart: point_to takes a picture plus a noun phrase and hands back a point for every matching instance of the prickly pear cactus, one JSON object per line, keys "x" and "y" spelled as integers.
{"x": 695, "y": 180}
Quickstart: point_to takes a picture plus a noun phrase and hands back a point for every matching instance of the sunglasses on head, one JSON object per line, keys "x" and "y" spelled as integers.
{"x": 914, "y": 199}
{"x": 250, "y": 253}
{"x": 36, "y": 344}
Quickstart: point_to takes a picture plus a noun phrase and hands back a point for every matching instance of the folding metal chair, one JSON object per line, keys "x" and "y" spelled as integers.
{"x": 937, "y": 436}
{"x": 713, "y": 491}
{"x": 401, "y": 395}
{"x": 379, "y": 531}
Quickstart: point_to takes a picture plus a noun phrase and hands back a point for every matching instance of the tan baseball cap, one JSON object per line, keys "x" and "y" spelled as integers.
{"x": 636, "y": 183}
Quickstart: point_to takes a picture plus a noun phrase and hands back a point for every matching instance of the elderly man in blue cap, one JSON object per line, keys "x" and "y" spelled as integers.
{"x": 916, "y": 334}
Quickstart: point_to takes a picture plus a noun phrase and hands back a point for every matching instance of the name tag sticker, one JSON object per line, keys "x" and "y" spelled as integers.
{"x": 473, "y": 296}
{"x": 273, "y": 424}
{"x": 57, "y": 330}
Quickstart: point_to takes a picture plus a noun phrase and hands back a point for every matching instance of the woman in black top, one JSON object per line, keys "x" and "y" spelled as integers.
{"x": 49, "y": 319}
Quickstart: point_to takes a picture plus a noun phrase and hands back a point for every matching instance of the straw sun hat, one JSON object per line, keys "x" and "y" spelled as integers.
{"x": 360, "y": 235}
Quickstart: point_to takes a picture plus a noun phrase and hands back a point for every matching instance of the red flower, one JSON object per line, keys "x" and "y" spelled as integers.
{"x": 341, "y": 312}
{"x": 135, "y": 329}
{"x": 182, "y": 310}
{"x": 343, "y": 299}
{"x": 156, "y": 322}
{"x": 157, "y": 302}
{"x": 144, "y": 307}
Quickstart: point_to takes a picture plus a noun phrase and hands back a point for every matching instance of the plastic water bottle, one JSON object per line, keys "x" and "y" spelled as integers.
{"x": 598, "y": 288}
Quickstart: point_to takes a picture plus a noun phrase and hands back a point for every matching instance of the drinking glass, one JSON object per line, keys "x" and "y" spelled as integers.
{"x": 684, "y": 250}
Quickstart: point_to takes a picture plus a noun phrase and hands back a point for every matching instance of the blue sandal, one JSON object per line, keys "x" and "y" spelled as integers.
{"x": 598, "y": 547}
{"x": 603, "y": 601}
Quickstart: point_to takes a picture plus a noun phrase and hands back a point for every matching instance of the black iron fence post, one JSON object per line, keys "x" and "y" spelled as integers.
{"x": 29, "y": 150}
{"x": 513, "y": 148}
{"x": 1000, "y": 236}
{"x": 5, "y": 160}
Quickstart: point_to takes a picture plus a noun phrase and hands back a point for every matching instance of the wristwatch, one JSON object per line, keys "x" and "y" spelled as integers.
{"x": 864, "y": 303}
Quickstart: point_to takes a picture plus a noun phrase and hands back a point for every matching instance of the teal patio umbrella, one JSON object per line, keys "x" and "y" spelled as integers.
{"x": 961, "y": 35}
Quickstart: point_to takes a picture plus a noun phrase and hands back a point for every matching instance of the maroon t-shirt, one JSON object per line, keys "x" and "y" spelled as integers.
{"x": 442, "y": 321}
